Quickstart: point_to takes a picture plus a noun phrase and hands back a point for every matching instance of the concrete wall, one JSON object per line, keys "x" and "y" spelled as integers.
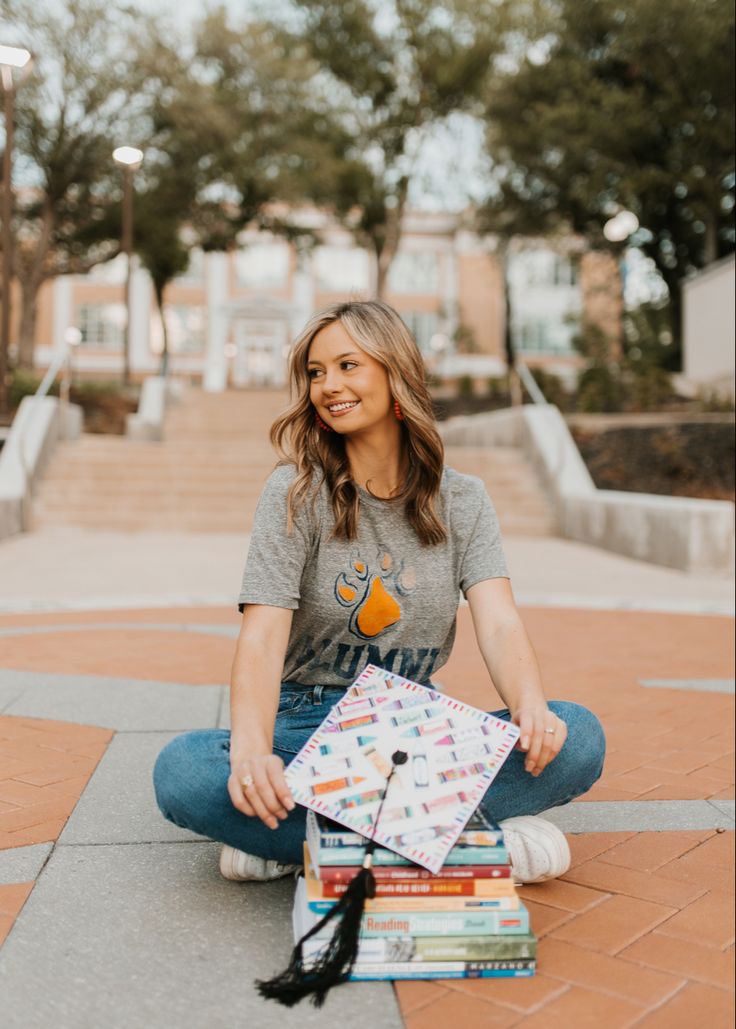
{"x": 37, "y": 427}
{"x": 678, "y": 532}
{"x": 708, "y": 302}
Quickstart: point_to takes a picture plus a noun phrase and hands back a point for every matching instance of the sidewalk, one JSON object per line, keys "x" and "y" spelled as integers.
{"x": 113, "y": 917}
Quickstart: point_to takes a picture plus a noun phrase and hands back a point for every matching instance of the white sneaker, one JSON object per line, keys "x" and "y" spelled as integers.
{"x": 537, "y": 849}
{"x": 242, "y": 867}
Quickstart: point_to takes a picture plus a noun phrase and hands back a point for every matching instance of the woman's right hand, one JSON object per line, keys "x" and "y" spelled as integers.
{"x": 257, "y": 787}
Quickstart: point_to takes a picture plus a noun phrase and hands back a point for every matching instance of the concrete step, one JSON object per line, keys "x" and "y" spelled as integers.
{"x": 208, "y": 472}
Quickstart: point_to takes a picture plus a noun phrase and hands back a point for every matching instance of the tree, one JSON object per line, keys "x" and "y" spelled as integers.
{"x": 230, "y": 135}
{"x": 391, "y": 72}
{"x": 607, "y": 106}
{"x": 74, "y": 107}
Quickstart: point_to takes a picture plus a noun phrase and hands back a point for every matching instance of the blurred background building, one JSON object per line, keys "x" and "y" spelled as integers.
{"x": 232, "y": 316}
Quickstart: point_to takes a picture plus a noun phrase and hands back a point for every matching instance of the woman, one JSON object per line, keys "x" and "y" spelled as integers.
{"x": 361, "y": 545}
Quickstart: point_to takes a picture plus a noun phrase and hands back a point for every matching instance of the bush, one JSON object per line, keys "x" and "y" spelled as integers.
{"x": 465, "y": 386}
{"x": 552, "y": 387}
{"x": 22, "y": 384}
{"x": 599, "y": 389}
{"x": 649, "y": 385}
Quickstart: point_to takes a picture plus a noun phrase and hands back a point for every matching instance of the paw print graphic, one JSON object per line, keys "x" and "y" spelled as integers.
{"x": 372, "y": 592}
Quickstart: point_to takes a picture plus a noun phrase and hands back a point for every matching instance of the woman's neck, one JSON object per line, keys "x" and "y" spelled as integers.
{"x": 379, "y": 464}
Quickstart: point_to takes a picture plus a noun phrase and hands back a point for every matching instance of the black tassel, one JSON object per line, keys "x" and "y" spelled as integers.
{"x": 339, "y": 955}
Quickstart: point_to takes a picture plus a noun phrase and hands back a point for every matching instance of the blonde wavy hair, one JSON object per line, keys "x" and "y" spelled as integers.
{"x": 379, "y": 331}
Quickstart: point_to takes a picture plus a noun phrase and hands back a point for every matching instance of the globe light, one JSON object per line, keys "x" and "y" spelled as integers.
{"x": 14, "y": 56}
{"x": 129, "y": 155}
{"x": 621, "y": 226}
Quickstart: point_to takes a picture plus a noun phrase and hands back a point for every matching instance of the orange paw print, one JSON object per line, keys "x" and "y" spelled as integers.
{"x": 366, "y": 592}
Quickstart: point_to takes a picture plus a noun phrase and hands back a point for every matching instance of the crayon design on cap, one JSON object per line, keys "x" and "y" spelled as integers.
{"x": 336, "y": 784}
{"x": 359, "y": 799}
{"x": 355, "y": 723}
{"x": 451, "y": 774}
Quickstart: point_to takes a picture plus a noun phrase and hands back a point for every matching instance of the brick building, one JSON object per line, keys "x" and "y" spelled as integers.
{"x": 231, "y": 316}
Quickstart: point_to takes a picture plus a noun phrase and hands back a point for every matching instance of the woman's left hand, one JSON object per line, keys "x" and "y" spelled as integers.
{"x": 542, "y": 735}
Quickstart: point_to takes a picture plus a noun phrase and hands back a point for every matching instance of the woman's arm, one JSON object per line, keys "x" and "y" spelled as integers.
{"x": 255, "y": 684}
{"x": 513, "y": 667}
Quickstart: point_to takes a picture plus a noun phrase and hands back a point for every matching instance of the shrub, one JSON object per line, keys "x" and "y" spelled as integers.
{"x": 599, "y": 389}
{"x": 465, "y": 386}
{"x": 22, "y": 384}
{"x": 552, "y": 387}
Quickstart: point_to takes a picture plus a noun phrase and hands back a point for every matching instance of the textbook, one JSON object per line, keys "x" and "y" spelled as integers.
{"x": 521, "y": 968}
{"x": 502, "y": 897}
{"x": 487, "y": 922}
{"x": 478, "y": 833}
{"x": 386, "y": 951}
{"x": 413, "y": 873}
{"x": 324, "y": 851}
{"x": 420, "y": 950}
{"x": 454, "y": 753}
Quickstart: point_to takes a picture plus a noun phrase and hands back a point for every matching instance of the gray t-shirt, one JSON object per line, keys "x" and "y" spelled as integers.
{"x": 382, "y": 598}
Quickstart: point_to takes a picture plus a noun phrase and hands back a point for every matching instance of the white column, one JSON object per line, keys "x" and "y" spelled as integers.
{"x": 63, "y": 313}
{"x": 302, "y": 294}
{"x": 141, "y": 294}
{"x": 215, "y": 371}
{"x": 450, "y": 292}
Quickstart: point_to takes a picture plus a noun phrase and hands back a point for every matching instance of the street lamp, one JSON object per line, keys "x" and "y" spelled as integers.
{"x": 617, "y": 230}
{"x": 11, "y": 57}
{"x": 621, "y": 226}
{"x": 129, "y": 157}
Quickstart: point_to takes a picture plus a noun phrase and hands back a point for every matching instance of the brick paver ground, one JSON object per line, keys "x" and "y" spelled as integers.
{"x": 638, "y": 932}
{"x": 44, "y": 767}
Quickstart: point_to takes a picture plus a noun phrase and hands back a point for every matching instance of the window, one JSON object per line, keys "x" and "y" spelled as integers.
{"x": 541, "y": 268}
{"x": 263, "y": 265}
{"x": 422, "y": 325}
{"x": 543, "y": 335}
{"x": 102, "y": 325}
{"x": 342, "y": 269}
{"x": 186, "y": 328}
{"x": 414, "y": 273}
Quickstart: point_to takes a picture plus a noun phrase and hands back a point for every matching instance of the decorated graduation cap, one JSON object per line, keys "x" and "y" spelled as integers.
{"x": 298, "y": 981}
{"x": 346, "y": 772}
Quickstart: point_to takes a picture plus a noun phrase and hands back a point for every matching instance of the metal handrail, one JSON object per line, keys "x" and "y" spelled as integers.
{"x": 530, "y": 383}
{"x": 61, "y": 359}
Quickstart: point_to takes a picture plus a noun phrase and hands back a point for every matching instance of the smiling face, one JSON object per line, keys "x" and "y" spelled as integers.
{"x": 348, "y": 387}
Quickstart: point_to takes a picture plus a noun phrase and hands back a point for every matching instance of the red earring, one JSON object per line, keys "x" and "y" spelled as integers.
{"x": 320, "y": 424}
{"x": 398, "y": 412}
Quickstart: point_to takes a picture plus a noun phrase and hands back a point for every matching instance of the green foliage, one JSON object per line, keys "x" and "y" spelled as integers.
{"x": 599, "y": 389}
{"x": 22, "y": 384}
{"x": 640, "y": 380}
{"x": 465, "y": 386}
{"x": 716, "y": 401}
{"x": 614, "y": 106}
{"x": 74, "y": 107}
{"x": 552, "y": 387}
{"x": 388, "y": 76}
{"x": 465, "y": 340}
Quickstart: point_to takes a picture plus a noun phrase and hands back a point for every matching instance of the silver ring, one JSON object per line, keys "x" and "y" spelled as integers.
{"x": 246, "y": 781}
{"x": 553, "y": 731}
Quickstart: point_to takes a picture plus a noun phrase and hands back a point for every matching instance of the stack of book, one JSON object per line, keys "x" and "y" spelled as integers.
{"x": 465, "y": 922}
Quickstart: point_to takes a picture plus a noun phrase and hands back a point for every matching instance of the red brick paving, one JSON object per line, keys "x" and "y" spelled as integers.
{"x": 639, "y": 931}
{"x": 44, "y": 767}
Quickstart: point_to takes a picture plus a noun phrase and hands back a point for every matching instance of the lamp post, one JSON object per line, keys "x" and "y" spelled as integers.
{"x": 10, "y": 57}
{"x": 617, "y": 230}
{"x": 129, "y": 157}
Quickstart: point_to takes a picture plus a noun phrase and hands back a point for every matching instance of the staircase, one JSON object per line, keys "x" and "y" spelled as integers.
{"x": 207, "y": 474}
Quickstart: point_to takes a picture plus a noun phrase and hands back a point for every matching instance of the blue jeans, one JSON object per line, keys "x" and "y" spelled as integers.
{"x": 191, "y": 774}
